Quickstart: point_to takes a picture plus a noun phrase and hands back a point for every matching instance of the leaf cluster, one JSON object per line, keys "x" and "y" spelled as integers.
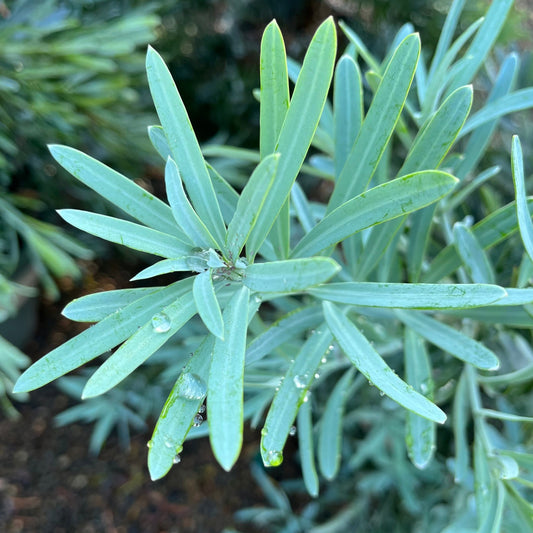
{"x": 381, "y": 283}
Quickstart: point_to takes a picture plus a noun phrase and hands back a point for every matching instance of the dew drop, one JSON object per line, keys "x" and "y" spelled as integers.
{"x": 324, "y": 360}
{"x": 300, "y": 381}
{"x": 273, "y": 458}
{"x": 150, "y": 443}
{"x": 381, "y": 393}
{"x": 177, "y": 459}
{"x": 198, "y": 420}
{"x": 307, "y": 396}
{"x": 424, "y": 388}
{"x": 168, "y": 444}
{"x": 264, "y": 432}
{"x": 292, "y": 431}
{"x": 192, "y": 387}
{"x": 161, "y": 323}
{"x": 317, "y": 375}
{"x": 201, "y": 409}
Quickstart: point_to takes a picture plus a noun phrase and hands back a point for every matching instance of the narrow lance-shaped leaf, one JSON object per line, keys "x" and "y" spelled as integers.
{"x": 141, "y": 345}
{"x": 178, "y": 413}
{"x": 487, "y": 490}
{"x": 476, "y": 262}
{"x": 361, "y": 353}
{"x": 117, "y": 189}
{"x": 330, "y": 436}
{"x": 299, "y": 126}
{"x": 289, "y": 276}
{"x": 290, "y": 395}
{"x": 443, "y": 73}
{"x": 283, "y": 330}
{"x": 103, "y": 336}
{"x": 384, "y": 202}
{"x": 306, "y": 447}
{"x": 379, "y": 123}
{"x": 126, "y": 233}
{"x": 225, "y": 386}
{"x": 522, "y": 212}
{"x": 461, "y": 418}
{"x": 194, "y": 263}
{"x": 207, "y": 303}
{"x": 509, "y": 103}
{"x": 450, "y": 340}
{"x": 419, "y": 432}
{"x": 183, "y": 143}
{"x": 250, "y": 204}
{"x": 97, "y": 306}
{"x": 409, "y": 295}
{"x": 159, "y": 141}
{"x": 446, "y": 35}
{"x": 302, "y": 208}
{"x": 430, "y": 147}
{"x": 479, "y": 140}
{"x": 348, "y": 109}
{"x": 273, "y": 109}
{"x": 274, "y": 88}
{"x": 482, "y": 43}
{"x": 494, "y": 228}
{"x": 183, "y": 211}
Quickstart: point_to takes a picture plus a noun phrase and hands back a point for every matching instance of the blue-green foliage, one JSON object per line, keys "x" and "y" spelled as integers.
{"x": 383, "y": 282}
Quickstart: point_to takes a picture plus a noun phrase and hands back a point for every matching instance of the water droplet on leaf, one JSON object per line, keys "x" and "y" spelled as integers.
{"x": 161, "y": 323}
{"x": 150, "y": 443}
{"x": 198, "y": 420}
{"x": 177, "y": 459}
{"x": 300, "y": 381}
{"x": 192, "y": 387}
{"x": 292, "y": 431}
{"x": 274, "y": 458}
{"x": 201, "y": 409}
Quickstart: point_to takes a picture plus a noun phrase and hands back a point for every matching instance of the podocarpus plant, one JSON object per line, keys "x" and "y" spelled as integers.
{"x": 279, "y": 289}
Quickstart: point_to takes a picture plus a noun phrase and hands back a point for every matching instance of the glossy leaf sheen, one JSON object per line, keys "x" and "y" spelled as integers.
{"x": 361, "y": 353}
{"x": 225, "y": 386}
